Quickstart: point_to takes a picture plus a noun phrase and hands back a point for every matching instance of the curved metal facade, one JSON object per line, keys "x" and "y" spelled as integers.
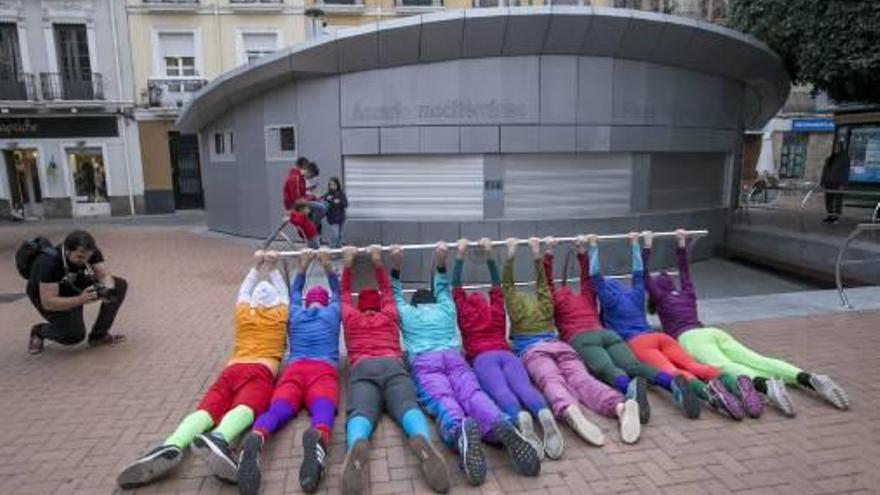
{"x": 636, "y": 117}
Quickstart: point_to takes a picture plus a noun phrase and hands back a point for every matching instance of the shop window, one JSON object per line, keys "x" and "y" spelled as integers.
{"x": 280, "y": 142}
{"x": 89, "y": 174}
{"x": 793, "y": 158}
{"x": 864, "y": 154}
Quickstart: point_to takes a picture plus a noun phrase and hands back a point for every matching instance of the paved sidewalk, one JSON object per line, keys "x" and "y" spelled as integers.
{"x": 72, "y": 418}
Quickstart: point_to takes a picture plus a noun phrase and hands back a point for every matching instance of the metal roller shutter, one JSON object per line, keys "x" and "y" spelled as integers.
{"x": 415, "y": 187}
{"x": 566, "y": 186}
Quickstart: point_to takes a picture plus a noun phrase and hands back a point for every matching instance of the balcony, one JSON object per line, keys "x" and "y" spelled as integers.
{"x": 257, "y": 6}
{"x": 87, "y": 87}
{"x": 17, "y": 87}
{"x": 172, "y": 92}
{"x": 171, "y": 5}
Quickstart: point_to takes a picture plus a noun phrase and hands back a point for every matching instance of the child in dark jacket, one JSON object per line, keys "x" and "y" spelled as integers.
{"x": 337, "y": 203}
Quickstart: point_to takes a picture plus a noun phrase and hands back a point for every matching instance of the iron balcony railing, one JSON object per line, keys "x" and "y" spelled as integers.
{"x": 18, "y": 87}
{"x": 256, "y": 2}
{"x": 173, "y": 91}
{"x": 171, "y": 2}
{"x": 55, "y": 86}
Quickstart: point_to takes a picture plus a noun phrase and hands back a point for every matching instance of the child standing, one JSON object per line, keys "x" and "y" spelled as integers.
{"x": 337, "y": 203}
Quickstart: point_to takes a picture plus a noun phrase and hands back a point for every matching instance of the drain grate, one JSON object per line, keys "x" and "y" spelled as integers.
{"x": 11, "y": 298}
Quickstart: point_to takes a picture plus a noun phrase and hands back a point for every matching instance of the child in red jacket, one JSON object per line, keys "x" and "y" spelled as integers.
{"x": 483, "y": 326}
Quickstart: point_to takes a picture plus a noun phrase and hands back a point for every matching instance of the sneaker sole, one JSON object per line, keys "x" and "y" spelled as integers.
{"x": 526, "y": 460}
{"x": 750, "y": 398}
{"x": 731, "y": 403}
{"x": 782, "y": 401}
{"x": 554, "y": 444}
{"x": 833, "y": 394}
{"x": 690, "y": 403}
{"x": 432, "y": 465}
{"x": 630, "y": 425}
{"x": 642, "y": 400}
{"x": 249, "y": 475}
{"x": 587, "y": 431}
{"x": 145, "y": 471}
{"x": 220, "y": 467}
{"x": 310, "y": 462}
{"x": 355, "y": 480}
{"x": 474, "y": 457}
{"x": 527, "y": 429}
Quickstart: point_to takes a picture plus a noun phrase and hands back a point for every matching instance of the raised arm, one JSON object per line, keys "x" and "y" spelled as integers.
{"x": 299, "y": 281}
{"x": 681, "y": 256}
{"x": 594, "y": 265}
{"x": 638, "y": 269}
{"x": 441, "y": 280}
{"x": 396, "y": 287}
{"x": 548, "y": 264}
{"x": 275, "y": 277}
{"x": 461, "y": 252}
{"x": 648, "y": 238}
{"x": 251, "y": 279}
{"x": 542, "y": 288}
{"x": 348, "y": 253}
{"x": 586, "y": 283}
{"x": 332, "y": 277}
{"x": 508, "y": 287}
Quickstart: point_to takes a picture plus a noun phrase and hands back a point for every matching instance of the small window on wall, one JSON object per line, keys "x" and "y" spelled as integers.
{"x": 223, "y": 148}
{"x": 280, "y": 142}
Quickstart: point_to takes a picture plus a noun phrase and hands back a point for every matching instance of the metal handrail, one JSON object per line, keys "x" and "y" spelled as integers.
{"x": 410, "y": 247}
{"x": 838, "y": 276}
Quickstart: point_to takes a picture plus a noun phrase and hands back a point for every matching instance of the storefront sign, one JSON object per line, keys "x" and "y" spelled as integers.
{"x": 58, "y": 127}
{"x": 812, "y": 125}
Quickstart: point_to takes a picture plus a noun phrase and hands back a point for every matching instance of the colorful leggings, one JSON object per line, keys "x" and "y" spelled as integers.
{"x": 608, "y": 357}
{"x": 561, "y": 375}
{"x": 449, "y": 390}
{"x": 310, "y": 382}
{"x": 663, "y": 352}
{"x": 503, "y": 377}
{"x": 718, "y": 348}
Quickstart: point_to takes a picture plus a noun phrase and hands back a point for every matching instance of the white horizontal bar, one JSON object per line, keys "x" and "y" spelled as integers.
{"x": 413, "y": 247}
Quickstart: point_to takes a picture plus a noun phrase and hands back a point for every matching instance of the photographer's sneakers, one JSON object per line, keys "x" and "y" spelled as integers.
{"x": 106, "y": 339}
{"x": 153, "y": 465}
{"x": 35, "y": 343}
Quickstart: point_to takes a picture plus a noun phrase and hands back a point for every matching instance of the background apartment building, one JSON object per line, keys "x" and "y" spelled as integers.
{"x": 69, "y": 146}
{"x": 177, "y": 46}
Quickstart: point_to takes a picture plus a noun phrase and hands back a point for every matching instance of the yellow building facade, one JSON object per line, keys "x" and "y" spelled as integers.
{"x": 177, "y": 47}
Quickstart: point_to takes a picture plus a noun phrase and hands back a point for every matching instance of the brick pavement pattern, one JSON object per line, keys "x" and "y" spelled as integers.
{"x": 73, "y": 417}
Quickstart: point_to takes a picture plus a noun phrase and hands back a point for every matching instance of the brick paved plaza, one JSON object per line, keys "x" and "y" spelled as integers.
{"x": 72, "y": 418}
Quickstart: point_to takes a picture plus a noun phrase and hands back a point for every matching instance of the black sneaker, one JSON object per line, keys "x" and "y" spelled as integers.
{"x": 249, "y": 475}
{"x": 470, "y": 452}
{"x": 215, "y": 451}
{"x": 356, "y": 469}
{"x": 685, "y": 398}
{"x": 153, "y": 465}
{"x": 35, "y": 343}
{"x": 314, "y": 457}
{"x": 526, "y": 460}
{"x": 637, "y": 390}
{"x": 431, "y": 464}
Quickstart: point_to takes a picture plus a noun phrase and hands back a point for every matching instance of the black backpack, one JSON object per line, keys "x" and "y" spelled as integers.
{"x": 28, "y": 251}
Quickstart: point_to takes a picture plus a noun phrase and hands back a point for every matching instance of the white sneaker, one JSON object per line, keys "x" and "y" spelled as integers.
{"x": 830, "y": 391}
{"x": 630, "y": 426}
{"x": 526, "y": 428}
{"x": 779, "y": 397}
{"x": 583, "y": 427}
{"x": 553, "y": 442}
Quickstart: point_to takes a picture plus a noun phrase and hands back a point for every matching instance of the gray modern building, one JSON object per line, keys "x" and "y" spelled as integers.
{"x": 497, "y": 122}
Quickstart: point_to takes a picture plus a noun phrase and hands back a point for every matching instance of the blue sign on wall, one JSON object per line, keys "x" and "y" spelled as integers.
{"x": 812, "y": 125}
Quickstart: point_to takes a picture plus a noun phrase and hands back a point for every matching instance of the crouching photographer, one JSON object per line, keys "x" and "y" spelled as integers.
{"x": 61, "y": 281}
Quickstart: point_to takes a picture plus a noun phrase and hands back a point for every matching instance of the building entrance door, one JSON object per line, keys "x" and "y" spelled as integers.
{"x": 186, "y": 174}
{"x": 24, "y": 182}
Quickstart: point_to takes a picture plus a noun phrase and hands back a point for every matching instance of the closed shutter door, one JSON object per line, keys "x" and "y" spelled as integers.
{"x": 566, "y": 186}
{"x": 415, "y": 187}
